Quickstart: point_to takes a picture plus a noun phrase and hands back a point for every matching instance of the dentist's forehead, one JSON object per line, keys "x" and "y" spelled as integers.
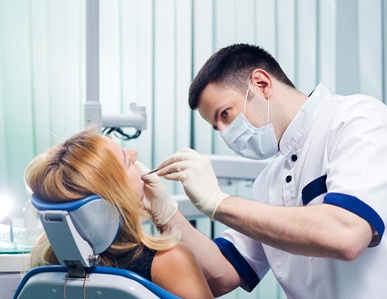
{"x": 215, "y": 98}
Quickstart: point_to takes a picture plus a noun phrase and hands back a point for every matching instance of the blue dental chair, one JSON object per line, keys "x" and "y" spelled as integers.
{"x": 77, "y": 237}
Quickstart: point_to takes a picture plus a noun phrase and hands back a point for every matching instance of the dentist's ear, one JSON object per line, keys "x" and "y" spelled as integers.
{"x": 262, "y": 80}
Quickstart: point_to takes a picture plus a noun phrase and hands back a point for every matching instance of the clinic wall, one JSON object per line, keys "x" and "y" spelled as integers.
{"x": 150, "y": 51}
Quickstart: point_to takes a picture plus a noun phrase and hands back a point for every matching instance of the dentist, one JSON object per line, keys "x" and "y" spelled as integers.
{"x": 319, "y": 208}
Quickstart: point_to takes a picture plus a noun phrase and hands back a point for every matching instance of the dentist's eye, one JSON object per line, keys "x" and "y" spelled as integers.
{"x": 224, "y": 114}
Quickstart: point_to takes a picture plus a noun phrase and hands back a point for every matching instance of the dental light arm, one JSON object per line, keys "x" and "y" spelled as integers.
{"x": 114, "y": 122}
{"x": 93, "y": 114}
{"x": 137, "y": 120}
{"x": 92, "y": 107}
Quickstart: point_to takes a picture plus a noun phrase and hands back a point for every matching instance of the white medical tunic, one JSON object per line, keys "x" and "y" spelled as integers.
{"x": 333, "y": 152}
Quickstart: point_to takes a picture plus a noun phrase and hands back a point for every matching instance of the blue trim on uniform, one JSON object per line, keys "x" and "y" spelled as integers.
{"x": 360, "y": 208}
{"x": 314, "y": 189}
{"x": 243, "y": 268}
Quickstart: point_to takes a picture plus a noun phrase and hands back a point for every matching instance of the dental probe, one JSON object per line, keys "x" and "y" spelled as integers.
{"x": 152, "y": 171}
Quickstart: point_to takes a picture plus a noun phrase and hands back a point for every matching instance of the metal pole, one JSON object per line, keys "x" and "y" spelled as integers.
{"x": 93, "y": 114}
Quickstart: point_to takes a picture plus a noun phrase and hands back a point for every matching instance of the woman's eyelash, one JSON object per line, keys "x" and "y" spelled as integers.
{"x": 127, "y": 161}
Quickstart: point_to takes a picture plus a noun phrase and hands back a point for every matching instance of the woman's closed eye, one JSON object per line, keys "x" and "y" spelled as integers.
{"x": 126, "y": 160}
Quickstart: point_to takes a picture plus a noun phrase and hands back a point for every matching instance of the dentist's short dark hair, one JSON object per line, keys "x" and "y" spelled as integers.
{"x": 232, "y": 66}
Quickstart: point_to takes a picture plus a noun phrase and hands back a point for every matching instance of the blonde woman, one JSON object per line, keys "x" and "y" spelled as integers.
{"x": 88, "y": 163}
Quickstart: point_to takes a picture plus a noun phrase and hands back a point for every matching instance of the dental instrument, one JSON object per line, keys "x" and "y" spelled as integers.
{"x": 150, "y": 172}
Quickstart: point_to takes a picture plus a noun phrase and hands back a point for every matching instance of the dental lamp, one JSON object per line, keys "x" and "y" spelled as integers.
{"x": 92, "y": 107}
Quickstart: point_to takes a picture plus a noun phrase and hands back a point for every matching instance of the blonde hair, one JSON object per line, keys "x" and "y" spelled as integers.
{"x": 84, "y": 165}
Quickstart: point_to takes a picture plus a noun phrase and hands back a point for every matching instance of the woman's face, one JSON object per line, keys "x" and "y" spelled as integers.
{"x": 128, "y": 157}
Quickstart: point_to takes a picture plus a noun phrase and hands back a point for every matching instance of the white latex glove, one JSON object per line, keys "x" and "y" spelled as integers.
{"x": 195, "y": 172}
{"x": 160, "y": 205}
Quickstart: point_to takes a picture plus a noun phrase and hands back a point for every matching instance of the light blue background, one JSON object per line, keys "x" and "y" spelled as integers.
{"x": 149, "y": 54}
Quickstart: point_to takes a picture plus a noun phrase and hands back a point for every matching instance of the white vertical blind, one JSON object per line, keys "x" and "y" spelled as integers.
{"x": 370, "y": 50}
{"x": 326, "y": 41}
{"x": 305, "y": 45}
{"x": 150, "y": 51}
{"x": 347, "y": 50}
{"x": 383, "y": 47}
{"x": 16, "y": 97}
{"x": 143, "y": 86}
{"x": 202, "y": 48}
{"x": 164, "y": 128}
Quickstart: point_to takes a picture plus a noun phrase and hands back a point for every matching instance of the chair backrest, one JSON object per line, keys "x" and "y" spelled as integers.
{"x": 52, "y": 282}
{"x": 78, "y": 232}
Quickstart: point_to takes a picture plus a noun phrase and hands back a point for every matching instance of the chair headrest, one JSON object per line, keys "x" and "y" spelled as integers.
{"x": 91, "y": 224}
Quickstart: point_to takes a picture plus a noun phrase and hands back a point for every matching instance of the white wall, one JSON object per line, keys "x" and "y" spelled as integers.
{"x": 150, "y": 51}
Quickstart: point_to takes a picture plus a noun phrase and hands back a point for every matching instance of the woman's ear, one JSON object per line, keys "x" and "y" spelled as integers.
{"x": 261, "y": 79}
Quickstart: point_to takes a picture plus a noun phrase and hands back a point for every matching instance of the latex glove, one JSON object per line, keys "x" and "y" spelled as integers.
{"x": 160, "y": 205}
{"x": 196, "y": 174}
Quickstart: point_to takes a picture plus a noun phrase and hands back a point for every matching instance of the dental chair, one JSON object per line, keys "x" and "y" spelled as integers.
{"x": 78, "y": 232}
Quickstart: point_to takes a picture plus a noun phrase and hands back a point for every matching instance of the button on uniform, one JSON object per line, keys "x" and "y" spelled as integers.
{"x": 289, "y": 190}
{"x": 288, "y": 178}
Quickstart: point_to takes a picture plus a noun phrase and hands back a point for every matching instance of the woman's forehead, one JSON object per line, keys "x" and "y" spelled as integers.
{"x": 116, "y": 149}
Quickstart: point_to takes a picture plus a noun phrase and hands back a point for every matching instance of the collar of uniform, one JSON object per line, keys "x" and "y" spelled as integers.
{"x": 292, "y": 139}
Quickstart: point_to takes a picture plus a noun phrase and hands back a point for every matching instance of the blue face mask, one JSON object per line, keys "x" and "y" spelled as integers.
{"x": 248, "y": 141}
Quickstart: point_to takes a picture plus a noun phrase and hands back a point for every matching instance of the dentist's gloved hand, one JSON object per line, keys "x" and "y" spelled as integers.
{"x": 195, "y": 172}
{"x": 160, "y": 205}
